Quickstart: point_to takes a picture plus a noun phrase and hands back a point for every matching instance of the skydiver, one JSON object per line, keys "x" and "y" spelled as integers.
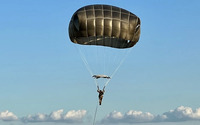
{"x": 101, "y": 92}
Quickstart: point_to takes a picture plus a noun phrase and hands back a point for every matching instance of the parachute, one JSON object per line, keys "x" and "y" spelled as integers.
{"x": 109, "y": 33}
{"x": 104, "y": 25}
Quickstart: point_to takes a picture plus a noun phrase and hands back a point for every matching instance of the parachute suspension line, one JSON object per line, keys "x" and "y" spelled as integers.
{"x": 96, "y": 83}
{"x": 104, "y": 63}
{"x": 91, "y": 73}
{"x": 87, "y": 65}
{"x": 85, "y": 61}
{"x": 95, "y": 114}
{"x": 127, "y": 53}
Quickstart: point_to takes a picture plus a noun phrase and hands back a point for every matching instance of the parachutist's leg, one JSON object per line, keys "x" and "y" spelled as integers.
{"x": 100, "y": 102}
{"x": 100, "y": 99}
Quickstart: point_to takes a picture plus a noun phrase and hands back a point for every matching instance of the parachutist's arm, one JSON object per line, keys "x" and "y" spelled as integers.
{"x": 97, "y": 88}
{"x": 104, "y": 89}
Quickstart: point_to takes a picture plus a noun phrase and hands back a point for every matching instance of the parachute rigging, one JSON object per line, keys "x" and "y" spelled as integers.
{"x": 107, "y": 32}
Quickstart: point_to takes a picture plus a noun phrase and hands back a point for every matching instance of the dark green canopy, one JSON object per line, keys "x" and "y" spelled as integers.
{"x": 104, "y": 25}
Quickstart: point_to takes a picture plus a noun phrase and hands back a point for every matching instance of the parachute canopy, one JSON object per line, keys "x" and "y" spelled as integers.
{"x": 104, "y": 25}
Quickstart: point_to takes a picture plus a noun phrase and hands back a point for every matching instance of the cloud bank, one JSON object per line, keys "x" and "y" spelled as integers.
{"x": 77, "y": 116}
{"x": 8, "y": 116}
{"x": 182, "y": 114}
{"x": 179, "y": 114}
{"x": 57, "y": 116}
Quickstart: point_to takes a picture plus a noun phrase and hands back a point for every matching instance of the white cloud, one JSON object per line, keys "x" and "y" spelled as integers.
{"x": 77, "y": 116}
{"x": 183, "y": 114}
{"x": 130, "y": 117}
{"x": 113, "y": 117}
{"x": 35, "y": 118}
{"x": 57, "y": 116}
{"x": 179, "y": 114}
{"x": 138, "y": 116}
{"x": 8, "y": 116}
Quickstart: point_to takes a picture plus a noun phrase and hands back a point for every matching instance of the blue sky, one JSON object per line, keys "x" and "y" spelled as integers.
{"x": 41, "y": 70}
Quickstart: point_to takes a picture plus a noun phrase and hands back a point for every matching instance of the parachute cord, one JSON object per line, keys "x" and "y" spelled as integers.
{"x": 95, "y": 114}
{"x": 118, "y": 66}
{"x": 96, "y": 82}
{"x": 87, "y": 65}
{"x": 85, "y": 61}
